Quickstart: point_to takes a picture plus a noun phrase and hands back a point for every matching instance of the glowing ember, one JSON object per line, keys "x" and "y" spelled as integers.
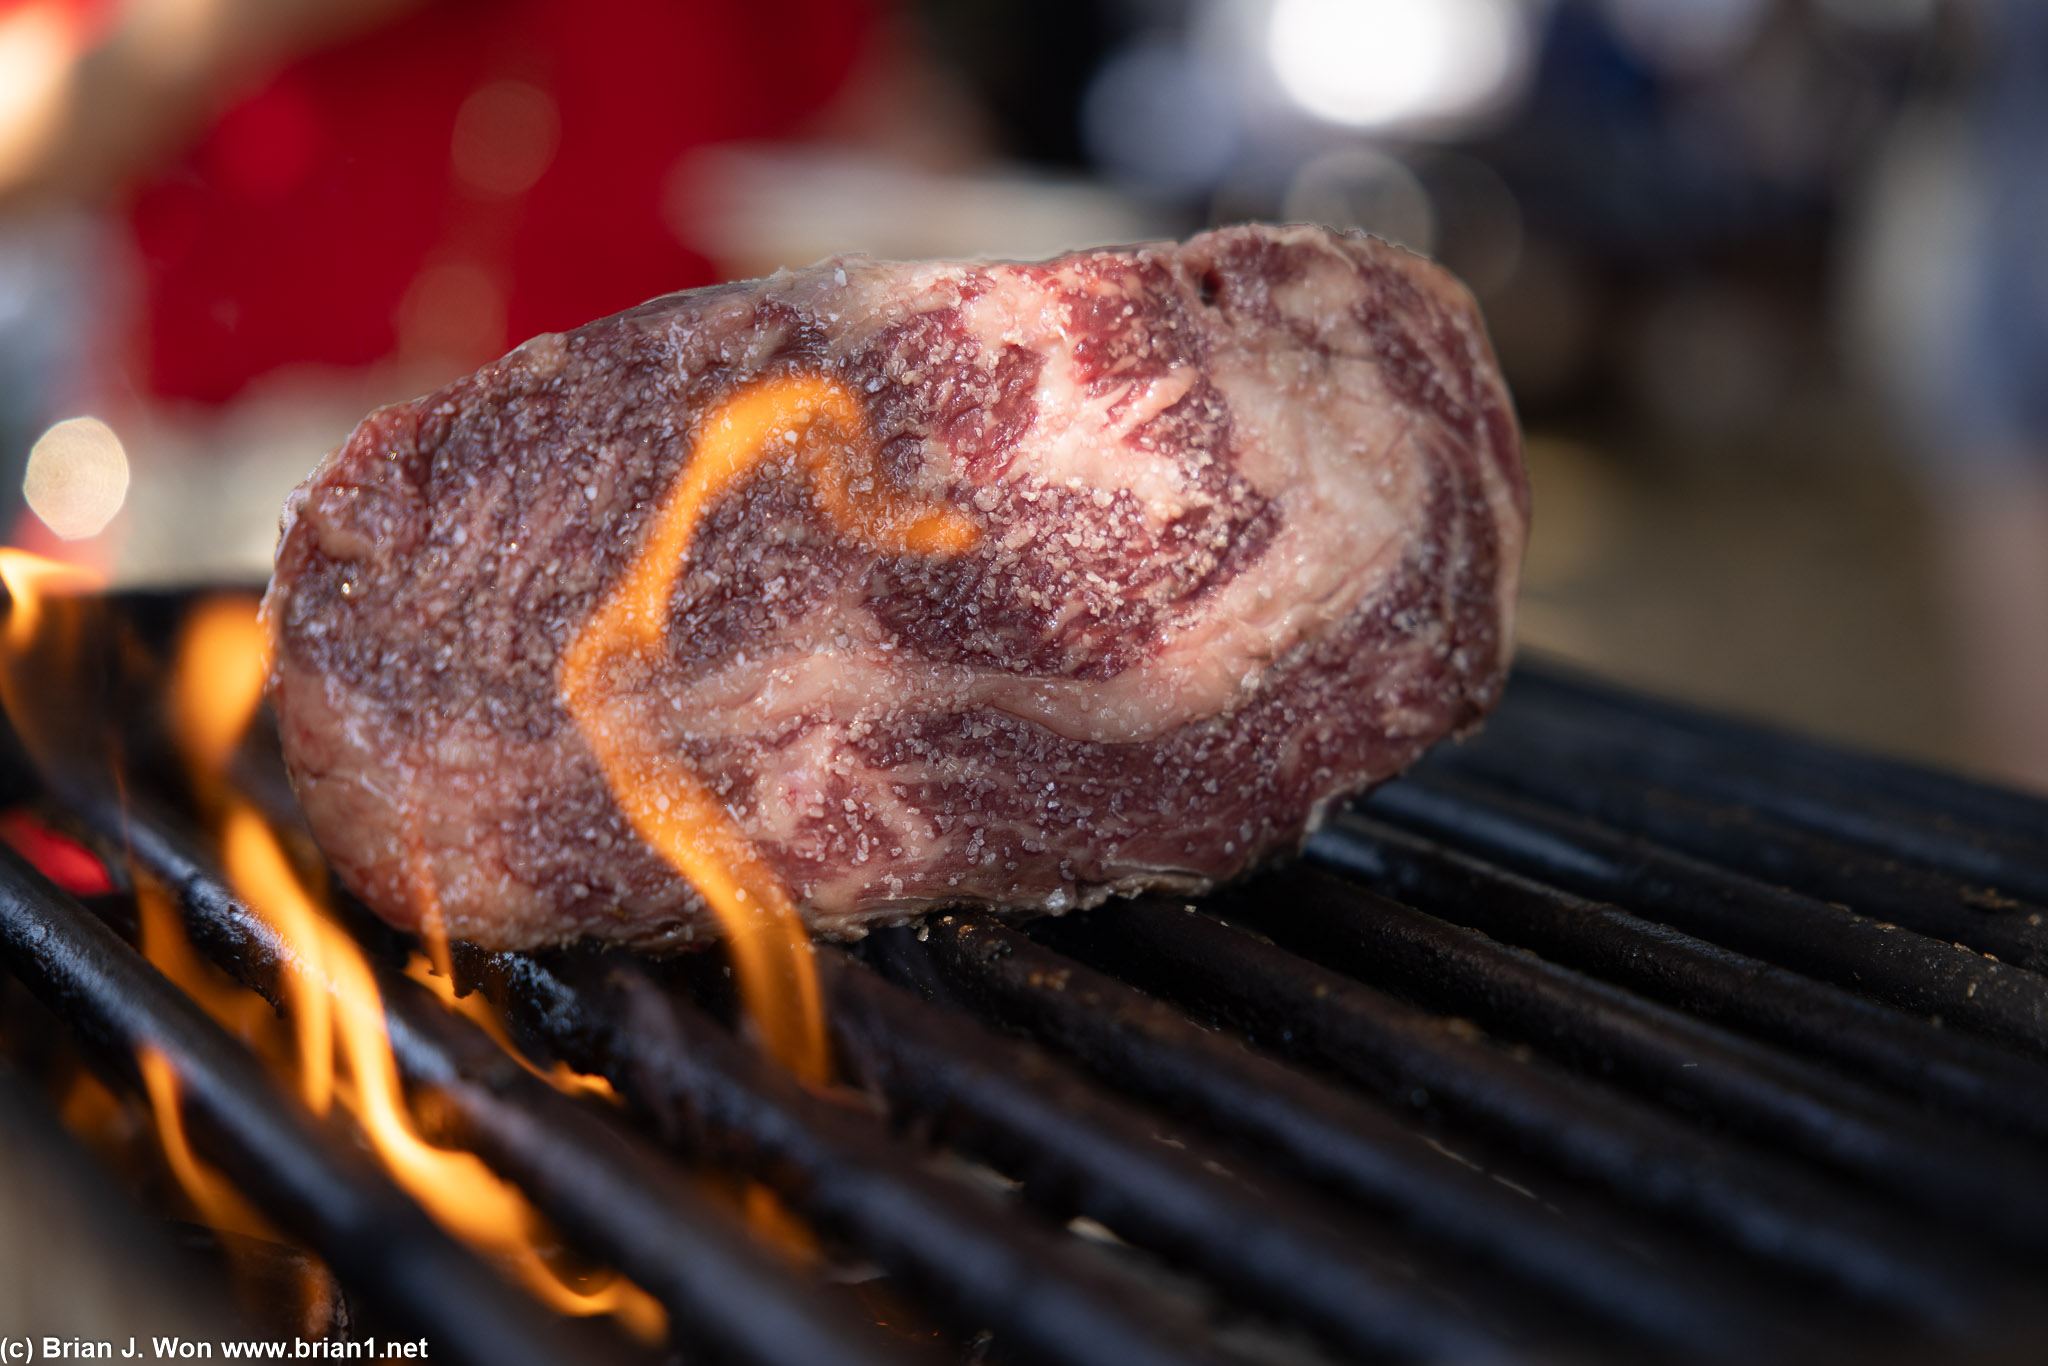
{"x": 56, "y": 856}
{"x": 669, "y": 807}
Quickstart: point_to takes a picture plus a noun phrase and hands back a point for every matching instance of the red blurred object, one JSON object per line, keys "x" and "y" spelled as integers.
{"x": 57, "y": 857}
{"x": 86, "y": 19}
{"x": 322, "y": 216}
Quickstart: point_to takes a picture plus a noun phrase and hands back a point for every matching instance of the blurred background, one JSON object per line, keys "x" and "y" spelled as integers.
{"x": 1769, "y": 277}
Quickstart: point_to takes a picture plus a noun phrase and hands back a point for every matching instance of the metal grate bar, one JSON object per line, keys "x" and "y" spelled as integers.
{"x": 1512, "y": 1195}
{"x": 1353, "y": 1147}
{"x": 1407, "y": 1055}
{"x": 1075, "y": 1147}
{"x": 1959, "y": 1073}
{"x": 622, "y": 1202}
{"x": 1736, "y": 837}
{"x": 1999, "y": 1189}
{"x": 1983, "y": 835}
{"x": 714, "y": 1097}
{"x": 300, "y": 1174}
{"x": 1827, "y": 941}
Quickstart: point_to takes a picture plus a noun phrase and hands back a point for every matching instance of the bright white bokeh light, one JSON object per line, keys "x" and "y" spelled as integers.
{"x": 77, "y": 477}
{"x": 1391, "y": 63}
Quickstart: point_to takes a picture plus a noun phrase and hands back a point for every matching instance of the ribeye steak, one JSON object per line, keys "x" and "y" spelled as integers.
{"x": 1231, "y": 531}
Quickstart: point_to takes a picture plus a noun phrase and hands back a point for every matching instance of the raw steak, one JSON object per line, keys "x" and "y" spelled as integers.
{"x": 1239, "y": 522}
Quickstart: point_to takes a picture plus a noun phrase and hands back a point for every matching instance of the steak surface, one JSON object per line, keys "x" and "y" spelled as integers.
{"x": 1243, "y": 520}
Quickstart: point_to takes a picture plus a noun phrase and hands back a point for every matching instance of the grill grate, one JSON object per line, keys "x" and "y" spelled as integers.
{"x": 1619, "y": 1032}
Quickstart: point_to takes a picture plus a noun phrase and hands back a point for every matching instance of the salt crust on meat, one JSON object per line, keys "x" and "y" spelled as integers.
{"x": 1251, "y": 512}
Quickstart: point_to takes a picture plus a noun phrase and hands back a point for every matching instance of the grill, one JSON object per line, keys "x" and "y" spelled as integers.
{"x": 1618, "y": 1032}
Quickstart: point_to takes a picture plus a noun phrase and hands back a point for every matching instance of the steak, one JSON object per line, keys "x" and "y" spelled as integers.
{"x": 1014, "y": 585}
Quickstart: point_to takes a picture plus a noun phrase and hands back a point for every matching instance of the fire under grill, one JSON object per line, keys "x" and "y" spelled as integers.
{"x": 1619, "y": 1032}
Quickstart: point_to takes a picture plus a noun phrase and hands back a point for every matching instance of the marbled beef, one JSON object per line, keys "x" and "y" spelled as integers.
{"x": 1243, "y": 523}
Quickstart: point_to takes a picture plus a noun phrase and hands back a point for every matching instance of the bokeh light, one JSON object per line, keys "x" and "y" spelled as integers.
{"x": 505, "y": 137}
{"x": 77, "y": 477}
{"x": 1398, "y": 63}
{"x": 1688, "y": 36}
{"x": 35, "y": 69}
{"x": 1361, "y": 187}
{"x": 1159, "y": 119}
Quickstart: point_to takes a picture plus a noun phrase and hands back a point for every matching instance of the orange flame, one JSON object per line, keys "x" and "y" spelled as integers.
{"x": 161, "y": 936}
{"x": 34, "y": 648}
{"x": 224, "y": 656}
{"x": 257, "y": 867}
{"x": 29, "y": 579}
{"x": 464, "y": 1195}
{"x": 670, "y": 808}
{"x": 332, "y": 994}
{"x": 216, "y": 687}
{"x": 474, "y": 1009}
{"x": 774, "y": 1224}
{"x": 219, "y": 1204}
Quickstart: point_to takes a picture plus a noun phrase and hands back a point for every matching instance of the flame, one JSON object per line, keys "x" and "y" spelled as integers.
{"x": 464, "y": 1195}
{"x": 244, "y": 1014}
{"x": 30, "y": 578}
{"x": 88, "y": 1108}
{"x": 474, "y": 1009}
{"x": 223, "y": 658}
{"x": 216, "y": 686}
{"x": 219, "y": 1204}
{"x": 258, "y": 869}
{"x": 111, "y": 1126}
{"x": 39, "y": 648}
{"x": 331, "y": 992}
{"x": 670, "y": 808}
{"x": 774, "y": 1224}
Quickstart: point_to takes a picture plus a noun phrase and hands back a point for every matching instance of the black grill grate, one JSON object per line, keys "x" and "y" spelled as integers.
{"x": 1619, "y": 1032}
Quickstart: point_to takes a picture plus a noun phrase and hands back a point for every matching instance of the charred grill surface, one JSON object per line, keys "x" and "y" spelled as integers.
{"x": 1616, "y": 1033}
{"x": 1401, "y": 1052}
{"x": 1818, "y": 938}
{"x": 714, "y": 1099}
{"x": 1940, "y": 1068}
{"x": 607, "y": 1190}
{"x": 304, "y": 1176}
{"x": 1654, "y": 1050}
{"x": 1322, "y": 1136}
{"x": 1077, "y": 1149}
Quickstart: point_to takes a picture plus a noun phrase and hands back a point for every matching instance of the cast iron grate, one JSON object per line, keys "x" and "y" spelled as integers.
{"x": 1619, "y": 1032}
